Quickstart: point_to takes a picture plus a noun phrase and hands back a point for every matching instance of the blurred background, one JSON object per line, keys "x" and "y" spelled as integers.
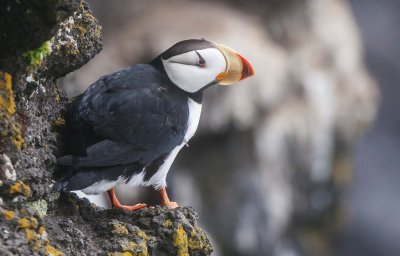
{"x": 298, "y": 160}
{"x": 373, "y": 196}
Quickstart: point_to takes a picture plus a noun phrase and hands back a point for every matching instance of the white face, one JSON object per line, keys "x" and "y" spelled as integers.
{"x": 193, "y": 70}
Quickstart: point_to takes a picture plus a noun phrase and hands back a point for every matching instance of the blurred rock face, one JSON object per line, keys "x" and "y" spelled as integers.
{"x": 272, "y": 154}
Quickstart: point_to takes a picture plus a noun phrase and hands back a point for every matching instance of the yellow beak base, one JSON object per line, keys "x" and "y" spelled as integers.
{"x": 237, "y": 67}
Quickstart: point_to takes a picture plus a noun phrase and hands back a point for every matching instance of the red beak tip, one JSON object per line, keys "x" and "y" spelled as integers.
{"x": 247, "y": 68}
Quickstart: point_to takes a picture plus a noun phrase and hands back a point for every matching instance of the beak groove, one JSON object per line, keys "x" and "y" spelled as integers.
{"x": 237, "y": 67}
{"x": 247, "y": 68}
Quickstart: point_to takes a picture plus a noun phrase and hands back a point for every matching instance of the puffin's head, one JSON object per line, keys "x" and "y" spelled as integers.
{"x": 196, "y": 63}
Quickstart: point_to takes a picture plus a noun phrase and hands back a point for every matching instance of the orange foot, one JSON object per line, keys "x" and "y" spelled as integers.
{"x": 170, "y": 204}
{"x": 130, "y": 207}
{"x": 165, "y": 200}
{"x": 116, "y": 204}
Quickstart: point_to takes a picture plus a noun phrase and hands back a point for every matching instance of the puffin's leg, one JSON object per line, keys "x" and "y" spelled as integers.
{"x": 165, "y": 200}
{"x": 115, "y": 203}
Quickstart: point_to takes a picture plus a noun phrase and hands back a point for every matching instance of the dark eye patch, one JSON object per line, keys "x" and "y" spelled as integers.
{"x": 202, "y": 62}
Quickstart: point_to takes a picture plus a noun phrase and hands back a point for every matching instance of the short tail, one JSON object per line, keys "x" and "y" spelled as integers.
{"x": 71, "y": 178}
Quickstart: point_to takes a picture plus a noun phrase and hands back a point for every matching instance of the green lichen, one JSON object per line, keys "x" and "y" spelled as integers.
{"x": 40, "y": 206}
{"x": 142, "y": 235}
{"x": 195, "y": 243}
{"x": 119, "y": 229}
{"x": 35, "y": 57}
{"x": 167, "y": 223}
{"x": 180, "y": 241}
{"x": 137, "y": 249}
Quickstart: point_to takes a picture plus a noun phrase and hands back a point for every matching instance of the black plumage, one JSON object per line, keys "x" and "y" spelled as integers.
{"x": 122, "y": 123}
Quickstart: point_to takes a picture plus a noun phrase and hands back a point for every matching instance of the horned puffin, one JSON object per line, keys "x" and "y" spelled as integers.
{"x": 129, "y": 126}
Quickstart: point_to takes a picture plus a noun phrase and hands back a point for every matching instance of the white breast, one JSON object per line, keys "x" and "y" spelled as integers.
{"x": 158, "y": 180}
{"x": 194, "y": 118}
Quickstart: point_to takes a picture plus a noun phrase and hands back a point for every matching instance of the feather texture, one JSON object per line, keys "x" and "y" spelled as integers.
{"x": 121, "y": 124}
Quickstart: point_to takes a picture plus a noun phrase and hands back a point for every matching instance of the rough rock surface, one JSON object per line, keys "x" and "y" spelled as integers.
{"x": 40, "y": 42}
{"x": 152, "y": 231}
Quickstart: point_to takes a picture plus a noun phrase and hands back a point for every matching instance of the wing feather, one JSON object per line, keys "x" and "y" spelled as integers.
{"x": 135, "y": 113}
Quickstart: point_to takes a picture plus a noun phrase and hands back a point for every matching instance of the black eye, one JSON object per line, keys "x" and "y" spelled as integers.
{"x": 202, "y": 62}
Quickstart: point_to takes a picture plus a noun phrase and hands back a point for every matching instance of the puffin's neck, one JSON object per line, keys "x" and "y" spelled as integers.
{"x": 196, "y": 96}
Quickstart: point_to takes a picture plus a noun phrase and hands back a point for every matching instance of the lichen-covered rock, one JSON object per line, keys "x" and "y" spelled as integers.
{"x": 22, "y": 232}
{"x": 41, "y": 41}
{"x": 10, "y": 129}
{"x": 25, "y": 25}
{"x": 75, "y": 43}
{"x": 151, "y": 231}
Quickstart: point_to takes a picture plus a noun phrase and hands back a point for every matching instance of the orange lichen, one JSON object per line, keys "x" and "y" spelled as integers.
{"x": 34, "y": 234}
{"x": 30, "y": 234}
{"x": 6, "y": 93}
{"x": 120, "y": 254}
{"x": 21, "y": 188}
{"x": 18, "y": 140}
{"x": 24, "y": 223}
{"x": 33, "y": 239}
{"x": 34, "y": 223}
{"x": 41, "y": 230}
{"x": 51, "y": 250}
{"x": 7, "y": 109}
{"x": 9, "y": 215}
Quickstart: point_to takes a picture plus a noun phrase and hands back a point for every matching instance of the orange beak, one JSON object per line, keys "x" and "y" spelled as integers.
{"x": 237, "y": 67}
